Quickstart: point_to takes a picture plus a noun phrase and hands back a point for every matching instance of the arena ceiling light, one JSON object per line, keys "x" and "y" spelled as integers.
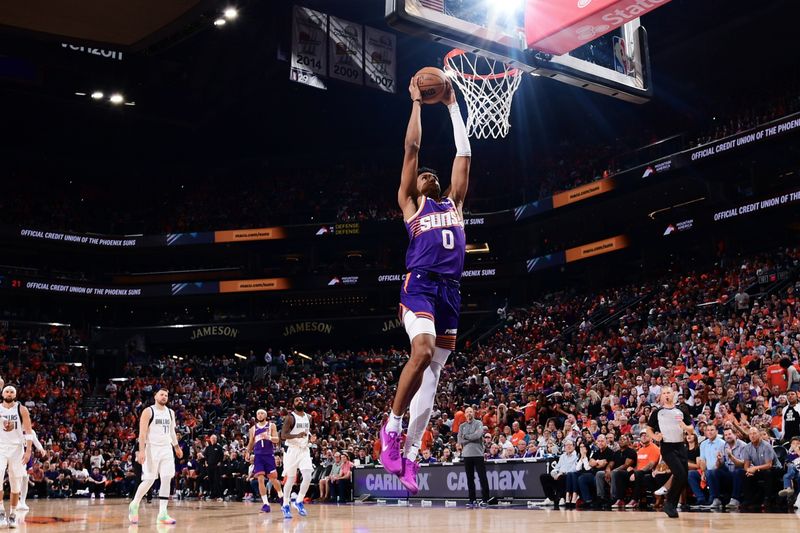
{"x": 240, "y": 356}
{"x": 97, "y": 95}
{"x": 504, "y": 7}
{"x": 230, "y": 13}
{"x": 220, "y": 22}
{"x": 116, "y": 99}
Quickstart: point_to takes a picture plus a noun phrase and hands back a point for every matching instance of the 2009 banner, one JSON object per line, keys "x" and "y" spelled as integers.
{"x": 346, "y": 50}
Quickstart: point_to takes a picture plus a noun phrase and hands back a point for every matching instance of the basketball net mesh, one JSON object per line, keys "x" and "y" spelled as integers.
{"x": 488, "y": 87}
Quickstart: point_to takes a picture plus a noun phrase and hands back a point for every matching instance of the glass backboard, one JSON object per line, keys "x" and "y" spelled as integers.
{"x": 615, "y": 63}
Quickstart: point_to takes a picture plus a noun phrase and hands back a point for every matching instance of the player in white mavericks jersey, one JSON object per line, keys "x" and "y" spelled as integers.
{"x": 16, "y": 424}
{"x": 295, "y": 432}
{"x": 157, "y": 440}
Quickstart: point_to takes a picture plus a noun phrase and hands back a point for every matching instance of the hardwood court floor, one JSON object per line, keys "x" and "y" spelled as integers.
{"x": 195, "y": 517}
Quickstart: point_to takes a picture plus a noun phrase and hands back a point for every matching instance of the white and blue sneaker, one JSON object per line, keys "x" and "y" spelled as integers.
{"x": 301, "y": 508}
{"x": 287, "y": 512}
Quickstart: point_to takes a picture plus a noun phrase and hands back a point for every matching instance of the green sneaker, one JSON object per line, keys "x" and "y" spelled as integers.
{"x": 133, "y": 513}
{"x": 164, "y": 518}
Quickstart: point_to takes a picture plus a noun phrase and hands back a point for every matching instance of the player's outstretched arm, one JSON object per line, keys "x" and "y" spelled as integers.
{"x": 144, "y": 428}
{"x": 251, "y": 440}
{"x": 27, "y": 430}
{"x": 459, "y": 179}
{"x": 273, "y": 433}
{"x": 407, "y": 193}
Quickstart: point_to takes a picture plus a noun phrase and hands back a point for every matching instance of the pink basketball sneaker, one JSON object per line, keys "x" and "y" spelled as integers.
{"x": 390, "y": 452}
{"x": 409, "y": 477}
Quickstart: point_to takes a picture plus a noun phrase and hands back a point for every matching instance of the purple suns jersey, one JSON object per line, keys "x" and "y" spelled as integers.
{"x": 263, "y": 445}
{"x": 437, "y": 239}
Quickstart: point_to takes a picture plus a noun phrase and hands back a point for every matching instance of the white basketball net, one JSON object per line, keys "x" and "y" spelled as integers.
{"x": 488, "y": 87}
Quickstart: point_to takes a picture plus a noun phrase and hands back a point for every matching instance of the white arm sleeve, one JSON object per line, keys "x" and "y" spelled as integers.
{"x": 36, "y": 442}
{"x": 172, "y": 428}
{"x": 463, "y": 148}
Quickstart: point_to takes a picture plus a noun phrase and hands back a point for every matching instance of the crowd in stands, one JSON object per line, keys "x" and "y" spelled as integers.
{"x": 255, "y": 194}
{"x": 574, "y": 376}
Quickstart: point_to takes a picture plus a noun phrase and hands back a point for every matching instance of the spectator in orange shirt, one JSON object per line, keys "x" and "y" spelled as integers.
{"x": 647, "y": 457}
{"x": 458, "y": 418}
{"x": 776, "y": 375}
{"x": 427, "y": 439}
{"x": 517, "y": 434}
{"x": 530, "y": 408}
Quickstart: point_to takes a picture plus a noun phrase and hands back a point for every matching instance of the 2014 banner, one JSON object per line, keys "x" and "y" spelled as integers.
{"x": 309, "y": 57}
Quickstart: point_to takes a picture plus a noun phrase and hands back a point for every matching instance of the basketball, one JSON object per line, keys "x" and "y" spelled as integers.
{"x": 432, "y": 84}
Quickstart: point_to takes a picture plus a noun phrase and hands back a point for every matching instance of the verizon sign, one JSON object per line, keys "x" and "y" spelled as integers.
{"x": 560, "y": 26}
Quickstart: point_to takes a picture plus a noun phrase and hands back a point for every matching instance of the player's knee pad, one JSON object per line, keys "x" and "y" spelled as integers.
{"x": 416, "y": 325}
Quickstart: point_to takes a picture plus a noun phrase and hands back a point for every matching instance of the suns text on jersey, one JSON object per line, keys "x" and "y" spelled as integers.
{"x": 439, "y": 220}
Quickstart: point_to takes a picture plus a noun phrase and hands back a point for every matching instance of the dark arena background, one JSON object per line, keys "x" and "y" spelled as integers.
{"x": 202, "y": 197}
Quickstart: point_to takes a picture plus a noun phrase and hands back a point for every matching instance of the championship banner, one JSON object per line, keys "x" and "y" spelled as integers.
{"x": 380, "y": 58}
{"x": 518, "y": 479}
{"x": 346, "y": 50}
{"x": 309, "y": 59}
{"x": 583, "y": 192}
{"x": 597, "y": 248}
{"x": 256, "y": 234}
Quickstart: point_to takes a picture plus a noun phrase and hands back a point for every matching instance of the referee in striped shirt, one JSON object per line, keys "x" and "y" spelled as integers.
{"x": 668, "y": 424}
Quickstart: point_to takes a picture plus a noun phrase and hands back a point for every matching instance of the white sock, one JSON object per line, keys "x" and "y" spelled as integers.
{"x": 2, "y": 507}
{"x": 162, "y": 505}
{"x": 265, "y": 498}
{"x": 412, "y": 452}
{"x": 395, "y": 423}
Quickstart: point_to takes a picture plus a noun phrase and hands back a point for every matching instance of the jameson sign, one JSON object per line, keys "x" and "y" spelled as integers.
{"x": 511, "y": 479}
{"x": 214, "y": 331}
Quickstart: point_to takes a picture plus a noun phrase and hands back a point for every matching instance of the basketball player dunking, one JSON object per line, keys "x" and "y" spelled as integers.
{"x": 263, "y": 439}
{"x": 430, "y": 297}
{"x": 295, "y": 433}
{"x": 157, "y": 440}
{"x": 16, "y": 423}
